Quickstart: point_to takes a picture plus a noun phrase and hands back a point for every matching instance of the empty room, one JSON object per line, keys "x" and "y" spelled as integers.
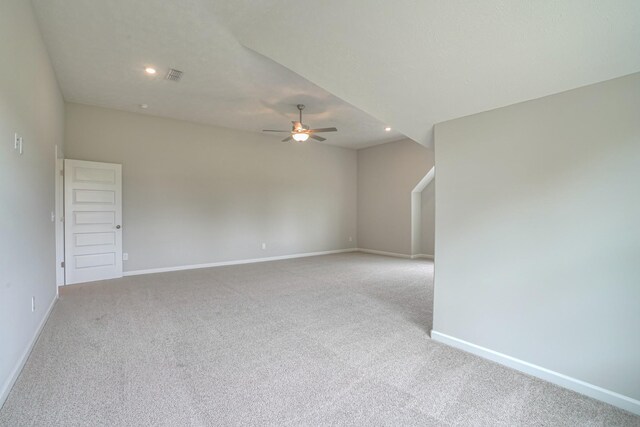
{"x": 240, "y": 213}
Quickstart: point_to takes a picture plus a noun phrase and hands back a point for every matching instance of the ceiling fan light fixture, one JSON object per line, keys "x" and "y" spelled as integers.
{"x": 301, "y": 132}
{"x": 300, "y": 137}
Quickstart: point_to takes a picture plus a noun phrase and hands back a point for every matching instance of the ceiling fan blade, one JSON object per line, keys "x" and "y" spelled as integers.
{"x": 287, "y": 139}
{"x": 317, "y": 138}
{"x": 324, "y": 130}
{"x": 271, "y": 130}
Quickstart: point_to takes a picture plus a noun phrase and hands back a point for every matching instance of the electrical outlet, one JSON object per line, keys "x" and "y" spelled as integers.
{"x": 33, "y": 304}
{"x": 264, "y": 246}
{"x": 125, "y": 256}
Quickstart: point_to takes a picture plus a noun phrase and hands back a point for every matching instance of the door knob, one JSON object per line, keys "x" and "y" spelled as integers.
{"x": 118, "y": 227}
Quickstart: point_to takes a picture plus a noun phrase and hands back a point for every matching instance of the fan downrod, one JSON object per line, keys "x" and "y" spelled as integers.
{"x": 300, "y": 107}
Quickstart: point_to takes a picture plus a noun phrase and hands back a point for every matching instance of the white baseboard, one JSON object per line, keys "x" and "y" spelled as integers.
{"x": 594, "y": 391}
{"x": 422, "y": 256}
{"x": 266, "y": 259}
{"x": 8, "y": 385}
{"x": 392, "y": 254}
{"x": 234, "y": 262}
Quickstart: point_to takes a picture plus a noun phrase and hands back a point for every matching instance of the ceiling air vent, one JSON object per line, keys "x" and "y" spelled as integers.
{"x": 174, "y": 75}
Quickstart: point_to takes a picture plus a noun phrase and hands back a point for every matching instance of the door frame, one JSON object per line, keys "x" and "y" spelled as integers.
{"x": 59, "y": 216}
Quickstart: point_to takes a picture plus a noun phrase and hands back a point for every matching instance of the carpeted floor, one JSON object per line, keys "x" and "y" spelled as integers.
{"x": 331, "y": 340}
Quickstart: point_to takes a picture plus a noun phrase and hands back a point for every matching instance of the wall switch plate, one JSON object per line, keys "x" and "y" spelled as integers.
{"x": 53, "y": 216}
{"x": 264, "y": 246}
{"x": 18, "y": 143}
{"x": 33, "y": 304}
{"x": 350, "y": 239}
{"x": 125, "y": 256}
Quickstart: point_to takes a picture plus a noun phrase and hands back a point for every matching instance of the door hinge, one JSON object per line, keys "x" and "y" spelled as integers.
{"x": 62, "y": 264}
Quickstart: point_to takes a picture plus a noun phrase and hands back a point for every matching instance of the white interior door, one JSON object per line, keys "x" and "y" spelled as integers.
{"x": 92, "y": 219}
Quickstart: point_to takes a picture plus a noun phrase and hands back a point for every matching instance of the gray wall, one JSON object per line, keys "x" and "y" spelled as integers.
{"x": 196, "y": 194}
{"x": 538, "y": 235}
{"x": 386, "y": 175}
{"x": 31, "y": 105}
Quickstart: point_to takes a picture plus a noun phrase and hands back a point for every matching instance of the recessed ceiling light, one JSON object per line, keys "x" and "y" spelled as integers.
{"x": 145, "y": 106}
{"x": 388, "y": 129}
{"x": 150, "y": 70}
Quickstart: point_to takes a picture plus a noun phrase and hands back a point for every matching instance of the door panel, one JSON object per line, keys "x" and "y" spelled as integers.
{"x": 94, "y": 260}
{"x": 84, "y": 218}
{"x": 94, "y": 196}
{"x": 94, "y": 175}
{"x": 92, "y": 239}
{"x": 93, "y": 218}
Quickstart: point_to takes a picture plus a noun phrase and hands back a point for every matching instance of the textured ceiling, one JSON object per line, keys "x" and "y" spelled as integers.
{"x": 100, "y": 48}
{"x": 414, "y": 63}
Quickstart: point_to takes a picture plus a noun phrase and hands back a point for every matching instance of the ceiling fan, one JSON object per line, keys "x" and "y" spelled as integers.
{"x": 301, "y": 132}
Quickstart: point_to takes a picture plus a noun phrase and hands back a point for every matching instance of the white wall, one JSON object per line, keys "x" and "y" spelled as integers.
{"x": 195, "y": 194}
{"x": 538, "y": 235}
{"x": 387, "y": 174}
{"x": 31, "y": 105}
{"x": 427, "y": 218}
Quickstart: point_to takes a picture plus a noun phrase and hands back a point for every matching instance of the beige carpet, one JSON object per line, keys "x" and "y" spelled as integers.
{"x": 332, "y": 340}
